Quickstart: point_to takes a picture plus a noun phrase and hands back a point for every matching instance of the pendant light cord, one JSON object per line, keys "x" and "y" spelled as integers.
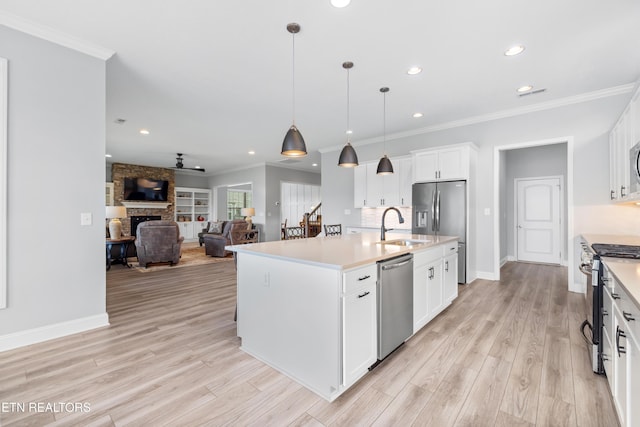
{"x": 348, "y": 128}
{"x": 293, "y": 78}
{"x": 384, "y": 123}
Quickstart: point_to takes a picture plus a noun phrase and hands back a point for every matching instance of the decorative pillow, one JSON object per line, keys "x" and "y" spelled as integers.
{"x": 215, "y": 227}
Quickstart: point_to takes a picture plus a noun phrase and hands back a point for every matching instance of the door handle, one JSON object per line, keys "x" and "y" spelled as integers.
{"x": 364, "y": 294}
{"x": 438, "y": 211}
{"x": 620, "y": 334}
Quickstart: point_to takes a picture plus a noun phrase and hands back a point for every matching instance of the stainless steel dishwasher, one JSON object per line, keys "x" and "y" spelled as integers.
{"x": 395, "y": 303}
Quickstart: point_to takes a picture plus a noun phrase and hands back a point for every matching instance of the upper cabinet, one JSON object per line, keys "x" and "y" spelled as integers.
{"x": 442, "y": 164}
{"x": 624, "y": 135}
{"x": 373, "y": 190}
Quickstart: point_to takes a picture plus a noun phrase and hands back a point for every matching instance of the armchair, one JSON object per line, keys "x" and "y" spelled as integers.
{"x": 214, "y": 243}
{"x": 158, "y": 241}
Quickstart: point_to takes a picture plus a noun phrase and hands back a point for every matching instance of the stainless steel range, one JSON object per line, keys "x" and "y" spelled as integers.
{"x": 602, "y": 250}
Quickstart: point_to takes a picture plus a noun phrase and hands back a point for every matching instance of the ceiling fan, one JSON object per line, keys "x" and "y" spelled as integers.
{"x": 180, "y": 165}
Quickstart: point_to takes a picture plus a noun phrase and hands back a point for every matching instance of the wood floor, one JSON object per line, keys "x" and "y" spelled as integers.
{"x": 506, "y": 353}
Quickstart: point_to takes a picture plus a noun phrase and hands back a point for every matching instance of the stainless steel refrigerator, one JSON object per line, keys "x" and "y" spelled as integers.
{"x": 440, "y": 208}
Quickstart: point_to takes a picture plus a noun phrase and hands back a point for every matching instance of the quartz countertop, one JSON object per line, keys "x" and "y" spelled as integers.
{"x": 625, "y": 271}
{"x": 341, "y": 252}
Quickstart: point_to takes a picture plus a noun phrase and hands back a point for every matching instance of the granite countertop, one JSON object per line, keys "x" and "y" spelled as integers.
{"x": 625, "y": 271}
{"x": 341, "y": 252}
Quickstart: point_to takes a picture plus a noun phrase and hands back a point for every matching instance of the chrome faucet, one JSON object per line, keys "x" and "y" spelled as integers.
{"x": 383, "y": 230}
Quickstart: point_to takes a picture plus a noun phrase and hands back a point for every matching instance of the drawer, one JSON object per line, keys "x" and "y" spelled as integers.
{"x": 425, "y": 256}
{"x": 451, "y": 247}
{"x": 627, "y": 308}
{"x": 355, "y": 279}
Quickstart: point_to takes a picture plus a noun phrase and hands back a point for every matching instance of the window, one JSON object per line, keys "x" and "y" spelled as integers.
{"x": 236, "y": 200}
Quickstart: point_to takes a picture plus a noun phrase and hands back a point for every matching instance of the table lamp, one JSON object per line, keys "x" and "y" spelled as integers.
{"x": 114, "y": 213}
{"x": 248, "y": 213}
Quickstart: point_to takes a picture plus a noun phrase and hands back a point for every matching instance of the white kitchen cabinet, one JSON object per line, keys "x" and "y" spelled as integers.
{"x": 620, "y": 365}
{"x": 450, "y": 275}
{"x": 360, "y": 186}
{"x": 382, "y": 190}
{"x": 621, "y": 350}
{"x": 624, "y": 135}
{"x": 442, "y": 164}
{"x": 359, "y": 336}
{"x": 405, "y": 178}
{"x": 427, "y": 286}
{"x": 373, "y": 190}
{"x": 633, "y": 374}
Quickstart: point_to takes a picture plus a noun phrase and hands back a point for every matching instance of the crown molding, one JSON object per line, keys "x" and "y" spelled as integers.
{"x": 54, "y": 36}
{"x": 541, "y": 106}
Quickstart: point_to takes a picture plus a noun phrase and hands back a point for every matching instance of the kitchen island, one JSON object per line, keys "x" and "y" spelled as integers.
{"x": 307, "y": 307}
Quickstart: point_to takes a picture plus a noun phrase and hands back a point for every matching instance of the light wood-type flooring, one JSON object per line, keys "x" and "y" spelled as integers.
{"x": 505, "y": 353}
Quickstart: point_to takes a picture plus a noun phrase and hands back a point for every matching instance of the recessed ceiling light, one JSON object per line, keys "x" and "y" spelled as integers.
{"x": 340, "y": 3}
{"x": 107, "y": 155}
{"x": 144, "y": 131}
{"x": 414, "y": 70}
{"x": 525, "y": 88}
{"x": 514, "y": 50}
{"x": 349, "y": 132}
{"x": 417, "y": 115}
{"x": 314, "y": 164}
{"x": 252, "y": 152}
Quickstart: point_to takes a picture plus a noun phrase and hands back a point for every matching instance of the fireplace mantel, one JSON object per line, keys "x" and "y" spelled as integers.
{"x": 146, "y": 205}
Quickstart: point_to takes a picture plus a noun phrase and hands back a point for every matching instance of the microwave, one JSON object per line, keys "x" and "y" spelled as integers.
{"x": 634, "y": 158}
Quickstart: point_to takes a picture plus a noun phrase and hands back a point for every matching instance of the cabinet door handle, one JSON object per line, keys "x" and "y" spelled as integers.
{"x": 619, "y": 334}
{"x": 622, "y": 190}
{"x": 614, "y": 295}
{"x": 364, "y": 277}
{"x": 364, "y": 294}
{"x": 446, "y": 266}
{"x": 604, "y": 357}
{"x": 613, "y": 194}
{"x": 604, "y": 312}
{"x": 627, "y": 316}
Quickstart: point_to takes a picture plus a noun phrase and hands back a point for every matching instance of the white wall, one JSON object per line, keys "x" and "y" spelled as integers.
{"x": 588, "y": 122}
{"x": 546, "y": 160}
{"x": 56, "y": 170}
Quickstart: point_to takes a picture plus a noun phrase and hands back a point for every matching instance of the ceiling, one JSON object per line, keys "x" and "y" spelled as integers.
{"x": 213, "y": 79}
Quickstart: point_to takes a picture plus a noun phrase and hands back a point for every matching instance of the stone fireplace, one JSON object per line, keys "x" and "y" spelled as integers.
{"x": 120, "y": 171}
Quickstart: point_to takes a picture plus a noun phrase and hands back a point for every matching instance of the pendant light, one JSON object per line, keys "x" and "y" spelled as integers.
{"x": 384, "y": 166}
{"x": 293, "y": 144}
{"x": 348, "y": 156}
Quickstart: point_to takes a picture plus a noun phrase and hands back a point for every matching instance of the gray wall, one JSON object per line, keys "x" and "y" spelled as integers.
{"x": 56, "y": 170}
{"x": 503, "y": 206}
{"x": 588, "y": 122}
{"x": 256, "y": 177}
{"x": 265, "y": 182}
{"x": 548, "y": 160}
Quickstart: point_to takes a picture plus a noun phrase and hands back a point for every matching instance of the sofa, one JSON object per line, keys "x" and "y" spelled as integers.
{"x": 214, "y": 243}
{"x": 158, "y": 241}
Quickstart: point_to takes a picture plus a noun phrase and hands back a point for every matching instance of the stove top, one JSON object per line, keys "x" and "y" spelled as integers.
{"x": 617, "y": 251}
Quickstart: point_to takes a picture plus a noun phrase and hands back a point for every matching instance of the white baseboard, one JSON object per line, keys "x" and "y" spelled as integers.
{"x": 577, "y": 287}
{"x": 486, "y": 275}
{"x": 49, "y": 332}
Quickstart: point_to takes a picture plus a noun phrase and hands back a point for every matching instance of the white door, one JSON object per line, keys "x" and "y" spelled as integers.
{"x": 538, "y": 220}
